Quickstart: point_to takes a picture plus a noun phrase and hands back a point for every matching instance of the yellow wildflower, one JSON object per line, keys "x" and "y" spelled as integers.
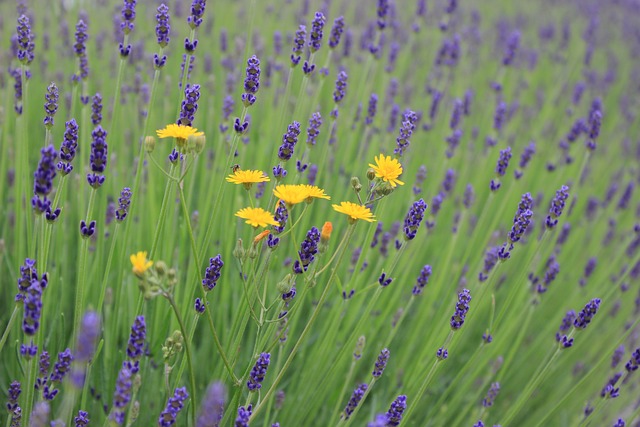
{"x": 387, "y": 169}
{"x": 314, "y": 192}
{"x": 257, "y": 217}
{"x": 247, "y": 178}
{"x": 291, "y": 194}
{"x": 355, "y": 211}
{"x": 140, "y": 263}
{"x": 178, "y": 131}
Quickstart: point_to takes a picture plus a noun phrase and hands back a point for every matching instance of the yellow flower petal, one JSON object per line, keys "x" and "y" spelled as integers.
{"x": 140, "y": 263}
{"x": 257, "y": 217}
{"x": 355, "y": 211}
{"x": 247, "y": 177}
{"x": 387, "y": 169}
{"x": 178, "y": 131}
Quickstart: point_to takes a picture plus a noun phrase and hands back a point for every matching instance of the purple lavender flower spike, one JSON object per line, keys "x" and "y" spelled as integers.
{"x": 25, "y": 41}
{"x": 414, "y": 218}
{"x": 341, "y": 87}
{"x": 381, "y": 363}
{"x": 163, "y": 28}
{"x": 307, "y": 252}
{"x": 189, "y": 105}
{"x": 68, "y": 147}
{"x": 462, "y": 307}
{"x": 586, "y": 314}
{"x": 199, "y": 306}
{"x": 634, "y": 362}
{"x": 135, "y": 347}
{"x": 372, "y": 109}
{"x": 121, "y": 396}
{"x": 298, "y": 45}
{"x": 513, "y": 42}
{"x": 595, "y": 121}
{"x": 258, "y": 372}
{"x": 289, "y": 141}
{"x": 618, "y": 354}
{"x": 50, "y": 105}
{"x": 525, "y": 158}
{"x": 397, "y": 408}
{"x": 88, "y": 336}
{"x": 521, "y": 221}
{"x": 442, "y": 353}
{"x": 588, "y": 270}
{"x": 98, "y": 157}
{"x": 315, "y": 38}
{"x": 355, "y": 399}
{"x": 128, "y": 15}
{"x": 499, "y": 116}
{"x": 557, "y": 206}
{"x": 336, "y": 32}
{"x": 212, "y": 273}
{"x": 14, "y": 393}
{"x": 60, "y": 370}
{"x": 212, "y": 408}
{"x": 40, "y": 415}
{"x": 251, "y": 81}
{"x": 491, "y": 395}
{"x": 382, "y": 11}
{"x": 409, "y": 121}
{"x": 314, "y": 128}
{"x": 242, "y": 420}
{"x": 96, "y": 109}
{"x": 384, "y": 280}
{"x": 174, "y": 406}
{"x": 468, "y": 197}
{"x": 565, "y": 325}
{"x": 423, "y": 280}
{"x": 123, "y": 201}
{"x": 456, "y": 114}
{"x": 490, "y": 260}
{"x": 43, "y": 180}
{"x": 82, "y": 419}
{"x": 197, "y": 11}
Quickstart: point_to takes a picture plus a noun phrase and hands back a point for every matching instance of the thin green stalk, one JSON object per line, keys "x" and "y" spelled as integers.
{"x": 5, "y": 334}
{"x": 105, "y": 278}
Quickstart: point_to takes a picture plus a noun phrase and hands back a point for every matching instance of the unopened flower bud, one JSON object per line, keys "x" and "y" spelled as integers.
{"x": 149, "y": 144}
{"x": 238, "y": 251}
{"x": 371, "y": 174}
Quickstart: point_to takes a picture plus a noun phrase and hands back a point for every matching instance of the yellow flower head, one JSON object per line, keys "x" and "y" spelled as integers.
{"x": 140, "y": 263}
{"x": 257, "y": 217}
{"x": 387, "y": 169}
{"x": 178, "y": 131}
{"x": 291, "y": 194}
{"x": 355, "y": 211}
{"x": 248, "y": 177}
{"x": 314, "y": 192}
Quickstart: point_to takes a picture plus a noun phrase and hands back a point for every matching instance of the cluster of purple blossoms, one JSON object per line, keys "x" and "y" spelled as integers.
{"x": 314, "y": 128}
{"x": 501, "y": 168}
{"x": 163, "y": 28}
{"x": 442, "y": 353}
{"x": 414, "y": 218}
{"x": 68, "y": 147}
{"x": 339, "y": 92}
{"x": 43, "y": 180}
{"x": 244, "y": 414}
{"x": 372, "y": 109}
{"x": 289, "y": 141}
{"x": 468, "y": 197}
{"x": 397, "y": 408}
{"x": 585, "y": 315}
{"x": 634, "y": 362}
{"x": 98, "y": 157}
{"x": 513, "y": 42}
{"x": 356, "y": 397}
{"x": 13, "y": 407}
{"x": 298, "y": 45}
{"x": 30, "y": 289}
{"x": 258, "y": 372}
{"x": 525, "y": 158}
{"x": 135, "y": 346}
{"x": 315, "y": 38}
{"x": 589, "y": 267}
{"x": 43, "y": 370}
{"x": 281, "y": 216}
{"x": 50, "y": 105}
{"x": 491, "y": 395}
{"x": 409, "y": 121}
{"x": 85, "y": 347}
{"x": 80, "y": 49}
{"x": 96, "y": 109}
{"x": 609, "y": 390}
{"x": 381, "y": 363}
{"x": 212, "y": 408}
{"x": 565, "y": 326}
{"x": 499, "y": 115}
{"x": 491, "y": 258}
{"x": 121, "y": 395}
{"x": 595, "y": 121}
{"x": 423, "y": 280}
{"x": 197, "y": 11}
{"x": 128, "y": 15}
{"x": 251, "y": 81}
{"x": 82, "y": 419}
{"x": 124, "y": 201}
{"x": 174, "y": 406}
{"x": 189, "y": 105}
{"x": 462, "y": 307}
{"x": 382, "y": 11}
{"x": 521, "y": 221}
{"x": 60, "y": 370}
{"x": 456, "y": 114}
{"x": 557, "y": 206}
{"x": 25, "y": 41}
{"x": 212, "y": 273}
{"x": 553, "y": 268}
{"x": 307, "y": 252}
{"x": 336, "y": 32}
{"x": 385, "y": 280}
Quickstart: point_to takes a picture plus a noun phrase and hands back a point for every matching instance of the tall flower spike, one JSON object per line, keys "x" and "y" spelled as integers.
{"x": 98, "y": 157}
{"x": 43, "y": 180}
{"x": 197, "y": 11}
{"x": 212, "y": 273}
{"x": 409, "y": 121}
{"x": 86, "y": 345}
{"x": 174, "y": 406}
{"x": 50, "y": 105}
{"x": 586, "y": 314}
{"x": 96, "y": 109}
{"x": 307, "y": 252}
{"x": 462, "y": 307}
{"x": 135, "y": 347}
{"x": 423, "y": 280}
{"x": 298, "y": 45}
{"x": 242, "y": 420}
{"x": 491, "y": 395}
{"x": 510, "y": 50}
{"x": 121, "y": 395}
{"x": 258, "y": 372}
{"x": 314, "y": 128}
{"x": 212, "y": 408}
{"x": 163, "y": 29}
{"x": 128, "y": 15}
{"x": 251, "y": 81}
{"x": 341, "y": 87}
{"x": 123, "y": 204}
{"x": 289, "y": 141}
{"x": 373, "y": 108}
{"x": 355, "y": 399}
{"x": 381, "y": 363}
{"x": 414, "y": 218}
{"x": 336, "y": 32}
{"x": 315, "y": 38}
{"x": 189, "y": 105}
{"x": 382, "y": 12}
{"x": 25, "y": 42}
{"x": 557, "y": 206}
{"x": 397, "y": 408}
{"x": 68, "y": 147}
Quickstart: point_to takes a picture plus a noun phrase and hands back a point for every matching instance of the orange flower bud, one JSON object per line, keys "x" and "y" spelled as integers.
{"x": 260, "y": 236}
{"x": 327, "y": 228}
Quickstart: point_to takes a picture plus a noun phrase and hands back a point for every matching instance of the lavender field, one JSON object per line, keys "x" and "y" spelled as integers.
{"x": 319, "y": 213}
